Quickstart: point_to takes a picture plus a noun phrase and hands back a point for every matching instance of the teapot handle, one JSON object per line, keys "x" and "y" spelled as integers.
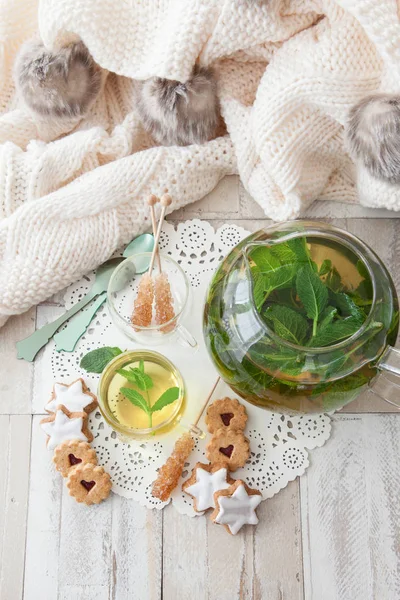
{"x": 386, "y": 387}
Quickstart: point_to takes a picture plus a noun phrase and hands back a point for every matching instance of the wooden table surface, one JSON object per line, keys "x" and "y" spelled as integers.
{"x": 334, "y": 534}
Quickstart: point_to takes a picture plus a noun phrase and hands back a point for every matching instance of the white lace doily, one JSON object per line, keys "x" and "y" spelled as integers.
{"x": 278, "y": 443}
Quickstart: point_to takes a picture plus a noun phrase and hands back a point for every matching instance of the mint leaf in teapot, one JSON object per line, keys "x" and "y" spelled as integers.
{"x": 288, "y": 324}
{"x": 96, "y": 360}
{"x": 312, "y": 293}
{"x": 325, "y": 268}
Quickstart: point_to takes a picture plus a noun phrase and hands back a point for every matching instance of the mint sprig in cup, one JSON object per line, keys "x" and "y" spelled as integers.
{"x": 141, "y": 393}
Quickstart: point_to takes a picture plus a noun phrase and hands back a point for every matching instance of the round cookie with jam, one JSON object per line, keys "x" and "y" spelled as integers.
{"x": 226, "y": 413}
{"x": 71, "y": 453}
{"x": 89, "y": 484}
{"x": 229, "y": 448}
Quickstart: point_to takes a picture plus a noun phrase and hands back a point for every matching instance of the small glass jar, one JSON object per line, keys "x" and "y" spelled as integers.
{"x": 122, "y": 292}
{"x": 129, "y": 421}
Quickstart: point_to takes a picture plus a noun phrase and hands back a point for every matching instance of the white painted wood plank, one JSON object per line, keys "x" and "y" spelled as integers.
{"x": 351, "y": 514}
{"x": 229, "y": 562}
{"x": 43, "y": 379}
{"x": 85, "y": 545}
{"x": 15, "y": 375}
{"x": 15, "y": 433}
{"x": 184, "y": 556}
{"x": 278, "y": 566}
{"x": 43, "y": 527}
{"x": 136, "y": 556}
{"x": 87, "y": 592}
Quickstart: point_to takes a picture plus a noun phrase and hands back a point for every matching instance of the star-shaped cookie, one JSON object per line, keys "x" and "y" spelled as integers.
{"x": 236, "y": 506}
{"x": 204, "y": 482}
{"x": 75, "y": 397}
{"x": 65, "y": 425}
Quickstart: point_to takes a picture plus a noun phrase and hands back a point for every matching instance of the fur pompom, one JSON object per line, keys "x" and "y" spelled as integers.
{"x": 57, "y": 85}
{"x": 373, "y": 135}
{"x": 180, "y": 114}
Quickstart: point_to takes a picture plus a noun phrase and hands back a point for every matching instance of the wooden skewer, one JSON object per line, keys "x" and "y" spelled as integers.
{"x": 151, "y": 201}
{"x": 194, "y": 428}
{"x": 165, "y": 202}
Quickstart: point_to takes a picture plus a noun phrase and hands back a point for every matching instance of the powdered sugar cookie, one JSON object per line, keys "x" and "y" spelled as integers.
{"x": 65, "y": 425}
{"x": 75, "y": 397}
{"x": 71, "y": 453}
{"x": 204, "y": 482}
{"x": 89, "y": 484}
{"x": 226, "y": 413}
{"x": 235, "y": 507}
{"x": 228, "y": 447}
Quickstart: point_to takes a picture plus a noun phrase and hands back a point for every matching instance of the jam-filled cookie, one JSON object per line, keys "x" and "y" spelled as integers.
{"x": 71, "y": 453}
{"x": 89, "y": 484}
{"x": 204, "y": 482}
{"x": 228, "y": 447}
{"x": 235, "y": 507}
{"x": 226, "y": 413}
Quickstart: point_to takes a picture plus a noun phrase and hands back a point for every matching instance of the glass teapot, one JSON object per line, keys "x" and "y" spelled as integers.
{"x": 261, "y": 358}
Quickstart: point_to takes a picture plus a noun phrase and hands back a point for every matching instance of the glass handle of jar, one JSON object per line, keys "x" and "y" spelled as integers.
{"x": 185, "y": 338}
{"x": 387, "y": 387}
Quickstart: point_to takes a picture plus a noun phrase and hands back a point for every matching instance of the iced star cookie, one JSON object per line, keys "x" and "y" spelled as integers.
{"x": 89, "y": 484}
{"x": 229, "y": 448}
{"x": 204, "y": 482}
{"x": 235, "y": 507}
{"x": 226, "y": 413}
{"x": 71, "y": 453}
{"x": 75, "y": 397}
{"x": 65, "y": 425}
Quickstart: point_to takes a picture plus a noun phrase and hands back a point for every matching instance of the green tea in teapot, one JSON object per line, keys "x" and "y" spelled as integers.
{"x": 294, "y": 322}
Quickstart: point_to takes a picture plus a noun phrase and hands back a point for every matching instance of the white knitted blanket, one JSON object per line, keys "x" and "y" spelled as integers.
{"x": 288, "y": 72}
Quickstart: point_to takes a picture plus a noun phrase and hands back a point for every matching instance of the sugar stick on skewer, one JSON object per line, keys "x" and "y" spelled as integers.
{"x": 143, "y": 306}
{"x": 152, "y": 201}
{"x": 169, "y": 474}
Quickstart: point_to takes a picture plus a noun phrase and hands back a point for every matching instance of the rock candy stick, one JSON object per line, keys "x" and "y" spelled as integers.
{"x": 169, "y": 474}
{"x": 164, "y": 302}
{"x": 143, "y": 305}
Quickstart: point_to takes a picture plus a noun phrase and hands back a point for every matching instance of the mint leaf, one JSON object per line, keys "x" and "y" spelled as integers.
{"x": 333, "y": 280}
{"x": 136, "y": 398}
{"x": 275, "y": 275}
{"x": 169, "y": 396}
{"x": 141, "y": 366}
{"x": 258, "y": 289}
{"x": 362, "y": 269}
{"x": 335, "y": 332}
{"x": 288, "y": 324}
{"x": 325, "y": 267}
{"x": 96, "y": 360}
{"x": 134, "y": 375}
{"x": 327, "y": 316}
{"x": 347, "y": 307}
{"x": 312, "y": 293}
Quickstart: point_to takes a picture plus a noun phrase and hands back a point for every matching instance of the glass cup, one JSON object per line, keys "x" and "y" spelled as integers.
{"x": 109, "y": 399}
{"x": 122, "y": 291}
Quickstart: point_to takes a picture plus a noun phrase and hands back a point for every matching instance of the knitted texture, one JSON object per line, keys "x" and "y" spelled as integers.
{"x": 288, "y": 72}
